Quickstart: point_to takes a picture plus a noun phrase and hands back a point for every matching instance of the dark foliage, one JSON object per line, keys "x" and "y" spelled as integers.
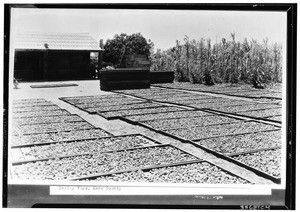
{"x": 125, "y": 44}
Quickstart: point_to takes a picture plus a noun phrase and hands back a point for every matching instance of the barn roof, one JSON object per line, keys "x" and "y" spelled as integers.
{"x": 56, "y": 41}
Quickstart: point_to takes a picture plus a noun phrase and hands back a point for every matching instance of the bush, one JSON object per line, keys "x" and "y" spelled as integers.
{"x": 125, "y": 44}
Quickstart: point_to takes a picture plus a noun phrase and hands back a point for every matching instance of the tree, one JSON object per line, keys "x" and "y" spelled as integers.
{"x": 127, "y": 44}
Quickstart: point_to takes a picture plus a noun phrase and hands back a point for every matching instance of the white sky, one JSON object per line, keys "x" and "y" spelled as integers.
{"x": 163, "y": 27}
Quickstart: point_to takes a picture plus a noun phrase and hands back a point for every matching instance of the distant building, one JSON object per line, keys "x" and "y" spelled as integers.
{"x": 61, "y": 56}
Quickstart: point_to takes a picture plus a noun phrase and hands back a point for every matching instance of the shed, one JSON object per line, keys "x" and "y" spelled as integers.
{"x": 59, "y": 56}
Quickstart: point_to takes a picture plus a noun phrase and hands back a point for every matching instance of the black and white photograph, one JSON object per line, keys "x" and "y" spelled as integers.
{"x": 133, "y": 105}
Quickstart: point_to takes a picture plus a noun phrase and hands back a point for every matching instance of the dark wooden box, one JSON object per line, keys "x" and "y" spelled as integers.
{"x": 162, "y": 77}
{"x": 124, "y": 78}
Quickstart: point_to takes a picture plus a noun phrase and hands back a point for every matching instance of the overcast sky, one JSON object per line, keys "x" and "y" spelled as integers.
{"x": 161, "y": 26}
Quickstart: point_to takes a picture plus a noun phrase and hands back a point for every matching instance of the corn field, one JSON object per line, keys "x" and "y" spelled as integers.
{"x": 226, "y": 61}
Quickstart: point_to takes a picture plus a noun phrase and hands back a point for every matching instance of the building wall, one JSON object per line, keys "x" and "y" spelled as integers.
{"x": 58, "y": 65}
{"x": 28, "y": 65}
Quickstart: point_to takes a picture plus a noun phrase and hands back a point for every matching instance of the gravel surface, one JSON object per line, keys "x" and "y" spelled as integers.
{"x": 28, "y": 100}
{"x": 271, "y": 95}
{"x": 58, "y": 136}
{"x": 187, "y": 122}
{"x": 201, "y": 87}
{"x": 141, "y": 111}
{"x": 189, "y": 101}
{"x": 47, "y": 119}
{"x": 193, "y": 133}
{"x": 275, "y": 118}
{"x": 147, "y": 91}
{"x": 87, "y": 146}
{"x": 172, "y": 96}
{"x": 260, "y": 94}
{"x": 231, "y": 91}
{"x": 242, "y": 143}
{"x": 123, "y": 107}
{"x": 275, "y": 87}
{"x": 175, "y": 96}
{"x": 163, "y": 93}
{"x": 256, "y": 92}
{"x": 268, "y": 161}
{"x": 29, "y": 105}
{"x": 75, "y": 98}
{"x": 186, "y": 85}
{"x": 263, "y": 112}
{"x": 158, "y": 116}
{"x": 221, "y": 104}
{"x": 109, "y": 103}
{"x": 204, "y": 99}
{"x": 40, "y": 113}
{"x": 196, "y": 99}
{"x": 79, "y": 166}
{"x": 99, "y": 99}
{"x": 242, "y": 90}
{"x": 51, "y": 127}
{"x": 41, "y": 108}
{"x": 245, "y": 107}
{"x": 192, "y": 173}
{"x": 267, "y": 100}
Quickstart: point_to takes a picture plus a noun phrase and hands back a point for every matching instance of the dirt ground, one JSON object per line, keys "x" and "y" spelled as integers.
{"x": 118, "y": 127}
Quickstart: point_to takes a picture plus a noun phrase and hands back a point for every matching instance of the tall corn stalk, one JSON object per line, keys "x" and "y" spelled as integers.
{"x": 207, "y": 71}
{"x": 277, "y": 63}
{"x": 177, "y": 60}
{"x": 226, "y": 61}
